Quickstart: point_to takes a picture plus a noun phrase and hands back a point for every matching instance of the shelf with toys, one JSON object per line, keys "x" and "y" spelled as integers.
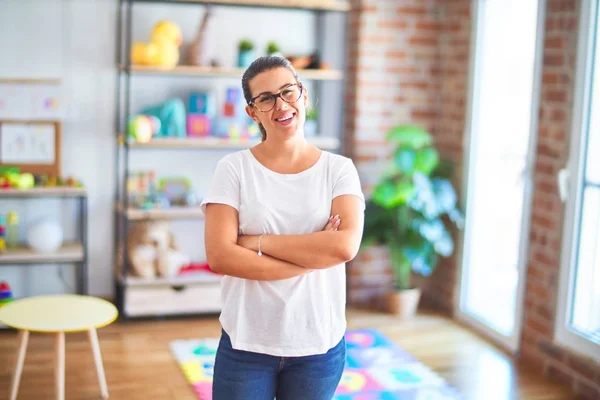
{"x": 207, "y": 71}
{"x": 41, "y": 240}
{"x": 43, "y": 213}
{"x": 314, "y": 5}
{"x": 175, "y": 95}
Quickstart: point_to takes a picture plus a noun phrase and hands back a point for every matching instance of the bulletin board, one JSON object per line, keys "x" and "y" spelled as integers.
{"x": 32, "y": 146}
{"x": 30, "y": 127}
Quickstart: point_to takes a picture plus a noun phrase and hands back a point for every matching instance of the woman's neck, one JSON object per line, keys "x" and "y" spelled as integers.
{"x": 290, "y": 150}
{"x": 287, "y": 156}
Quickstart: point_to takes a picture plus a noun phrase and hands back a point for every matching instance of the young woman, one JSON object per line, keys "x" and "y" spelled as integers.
{"x": 282, "y": 219}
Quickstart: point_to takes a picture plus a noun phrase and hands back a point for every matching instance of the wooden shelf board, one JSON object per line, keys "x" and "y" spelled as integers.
{"x": 135, "y": 214}
{"x": 205, "y": 277}
{"x": 52, "y": 81}
{"x": 326, "y": 143}
{"x": 336, "y": 5}
{"x": 183, "y": 70}
{"x": 44, "y": 192}
{"x": 69, "y": 252}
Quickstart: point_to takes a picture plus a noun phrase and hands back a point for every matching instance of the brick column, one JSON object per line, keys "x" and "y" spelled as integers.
{"x": 409, "y": 66}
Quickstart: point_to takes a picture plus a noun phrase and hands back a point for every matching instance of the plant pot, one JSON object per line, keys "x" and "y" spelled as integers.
{"x": 245, "y": 58}
{"x": 310, "y": 128}
{"x": 403, "y": 303}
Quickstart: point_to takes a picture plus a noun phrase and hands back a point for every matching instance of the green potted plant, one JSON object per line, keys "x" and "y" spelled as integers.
{"x": 411, "y": 211}
{"x": 273, "y": 49}
{"x": 245, "y": 53}
{"x": 310, "y": 124}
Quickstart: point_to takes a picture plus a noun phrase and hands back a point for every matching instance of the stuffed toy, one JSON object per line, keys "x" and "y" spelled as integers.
{"x": 153, "y": 251}
{"x": 162, "y": 50}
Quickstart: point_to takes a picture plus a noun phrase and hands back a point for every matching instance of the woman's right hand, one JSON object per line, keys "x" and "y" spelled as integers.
{"x": 333, "y": 223}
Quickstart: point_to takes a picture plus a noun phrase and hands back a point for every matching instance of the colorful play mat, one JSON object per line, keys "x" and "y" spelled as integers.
{"x": 376, "y": 369}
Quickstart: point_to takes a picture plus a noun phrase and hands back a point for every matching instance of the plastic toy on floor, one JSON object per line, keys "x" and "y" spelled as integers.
{"x": 6, "y": 295}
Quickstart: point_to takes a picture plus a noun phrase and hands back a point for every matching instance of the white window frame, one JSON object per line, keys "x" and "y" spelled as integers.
{"x": 574, "y": 173}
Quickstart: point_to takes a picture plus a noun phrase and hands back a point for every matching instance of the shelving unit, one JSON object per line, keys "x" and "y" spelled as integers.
{"x": 70, "y": 252}
{"x": 200, "y": 293}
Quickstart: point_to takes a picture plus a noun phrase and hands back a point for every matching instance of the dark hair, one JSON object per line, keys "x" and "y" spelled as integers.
{"x": 259, "y": 65}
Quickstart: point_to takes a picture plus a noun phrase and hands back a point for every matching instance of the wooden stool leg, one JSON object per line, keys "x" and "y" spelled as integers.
{"x": 93, "y": 336}
{"x": 59, "y": 368}
{"x": 23, "y": 340}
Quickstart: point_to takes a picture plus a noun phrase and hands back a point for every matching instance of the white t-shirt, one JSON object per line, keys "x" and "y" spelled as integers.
{"x": 292, "y": 317}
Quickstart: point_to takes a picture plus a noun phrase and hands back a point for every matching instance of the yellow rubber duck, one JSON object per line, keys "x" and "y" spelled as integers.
{"x": 163, "y": 50}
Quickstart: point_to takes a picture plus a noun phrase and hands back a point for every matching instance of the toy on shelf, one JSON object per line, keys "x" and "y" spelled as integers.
{"x": 167, "y": 119}
{"x": 163, "y": 49}
{"x": 153, "y": 251}
{"x": 2, "y": 234}
{"x": 13, "y": 178}
{"x": 178, "y": 191}
{"x": 142, "y": 128}
{"x": 146, "y": 192}
{"x": 201, "y": 113}
{"x": 234, "y": 123}
{"x": 6, "y": 295}
{"x": 12, "y": 230}
{"x": 195, "y": 268}
{"x": 45, "y": 235}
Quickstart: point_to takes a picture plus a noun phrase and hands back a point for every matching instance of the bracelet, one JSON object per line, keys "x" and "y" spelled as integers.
{"x": 260, "y": 240}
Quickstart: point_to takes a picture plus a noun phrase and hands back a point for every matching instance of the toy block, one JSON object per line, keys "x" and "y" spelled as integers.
{"x": 198, "y": 125}
{"x": 201, "y": 103}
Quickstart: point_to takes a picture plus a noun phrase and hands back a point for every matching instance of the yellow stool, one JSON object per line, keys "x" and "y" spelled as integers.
{"x": 58, "y": 314}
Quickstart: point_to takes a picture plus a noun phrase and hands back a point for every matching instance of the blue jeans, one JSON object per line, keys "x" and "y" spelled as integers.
{"x": 242, "y": 375}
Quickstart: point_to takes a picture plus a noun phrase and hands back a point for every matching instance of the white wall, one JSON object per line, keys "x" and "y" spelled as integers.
{"x": 75, "y": 40}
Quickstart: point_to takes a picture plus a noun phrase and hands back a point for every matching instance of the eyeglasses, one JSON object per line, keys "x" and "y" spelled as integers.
{"x": 266, "y": 102}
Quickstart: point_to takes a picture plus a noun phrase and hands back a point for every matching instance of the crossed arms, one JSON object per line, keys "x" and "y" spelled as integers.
{"x": 284, "y": 256}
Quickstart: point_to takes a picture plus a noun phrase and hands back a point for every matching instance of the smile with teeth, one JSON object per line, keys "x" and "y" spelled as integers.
{"x": 285, "y": 118}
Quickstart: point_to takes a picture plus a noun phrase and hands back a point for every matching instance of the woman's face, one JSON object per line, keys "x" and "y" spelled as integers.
{"x": 279, "y": 118}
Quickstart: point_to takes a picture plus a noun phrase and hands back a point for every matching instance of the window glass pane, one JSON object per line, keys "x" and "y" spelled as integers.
{"x": 586, "y": 305}
{"x": 584, "y": 316}
{"x": 593, "y": 146}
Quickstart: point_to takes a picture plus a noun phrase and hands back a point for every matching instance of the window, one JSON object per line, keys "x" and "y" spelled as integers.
{"x": 578, "y": 322}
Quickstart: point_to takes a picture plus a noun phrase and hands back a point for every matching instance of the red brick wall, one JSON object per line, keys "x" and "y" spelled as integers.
{"x": 441, "y": 288}
{"x": 410, "y": 64}
{"x": 395, "y": 75}
{"x": 560, "y": 51}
